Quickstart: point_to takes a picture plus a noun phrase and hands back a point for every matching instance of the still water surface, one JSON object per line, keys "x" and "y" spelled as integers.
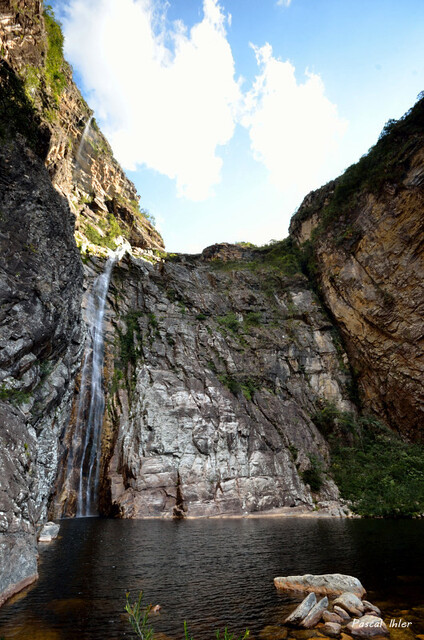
{"x": 211, "y": 573}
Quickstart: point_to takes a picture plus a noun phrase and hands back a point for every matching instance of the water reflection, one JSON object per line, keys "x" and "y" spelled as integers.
{"x": 211, "y": 573}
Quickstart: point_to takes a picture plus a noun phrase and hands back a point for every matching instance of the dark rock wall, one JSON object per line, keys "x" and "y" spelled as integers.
{"x": 40, "y": 332}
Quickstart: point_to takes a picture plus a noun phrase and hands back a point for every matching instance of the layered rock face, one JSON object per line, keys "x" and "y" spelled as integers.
{"x": 40, "y": 332}
{"x": 42, "y": 119}
{"x": 219, "y": 368}
{"x": 79, "y": 158}
{"x": 368, "y": 253}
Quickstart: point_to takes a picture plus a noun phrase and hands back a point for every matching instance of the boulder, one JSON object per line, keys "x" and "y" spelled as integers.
{"x": 367, "y": 627}
{"x": 350, "y": 603}
{"x": 331, "y": 629}
{"x": 368, "y": 606}
{"x": 315, "y": 614}
{"x": 48, "y": 532}
{"x": 329, "y": 616}
{"x": 332, "y": 584}
{"x": 341, "y": 612}
{"x": 301, "y": 611}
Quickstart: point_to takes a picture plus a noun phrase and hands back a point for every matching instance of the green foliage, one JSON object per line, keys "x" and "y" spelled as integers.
{"x": 313, "y": 476}
{"x": 55, "y": 62}
{"x": 201, "y": 316}
{"x": 130, "y": 342}
{"x": 231, "y": 383}
{"x": 139, "y": 621}
{"x": 248, "y": 388}
{"x": 334, "y": 423}
{"x": 14, "y": 396}
{"x": 229, "y": 321}
{"x": 139, "y": 618}
{"x": 111, "y": 230}
{"x": 253, "y": 318}
{"x": 381, "y": 474}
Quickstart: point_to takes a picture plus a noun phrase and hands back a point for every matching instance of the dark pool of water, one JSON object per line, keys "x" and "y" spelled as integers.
{"x": 211, "y": 573}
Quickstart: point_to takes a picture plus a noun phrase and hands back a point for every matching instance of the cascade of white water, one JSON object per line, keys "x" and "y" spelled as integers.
{"x": 83, "y": 137}
{"x": 91, "y": 403}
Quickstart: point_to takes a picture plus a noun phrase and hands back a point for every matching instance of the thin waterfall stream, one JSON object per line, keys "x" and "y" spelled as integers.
{"x": 86, "y": 441}
{"x": 83, "y": 137}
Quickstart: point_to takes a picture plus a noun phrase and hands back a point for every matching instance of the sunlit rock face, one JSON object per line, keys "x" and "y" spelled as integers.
{"x": 371, "y": 271}
{"x": 83, "y": 170}
{"x": 219, "y": 369}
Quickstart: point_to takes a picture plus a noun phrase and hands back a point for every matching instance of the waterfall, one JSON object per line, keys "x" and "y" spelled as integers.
{"x": 86, "y": 441}
{"x": 83, "y": 137}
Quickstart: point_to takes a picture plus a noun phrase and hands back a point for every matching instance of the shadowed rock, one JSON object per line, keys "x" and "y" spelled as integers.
{"x": 332, "y": 629}
{"x": 315, "y": 614}
{"x": 329, "y": 616}
{"x": 371, "y": 607}
{"x": 302, "y": 610}
{"x": 341, "y": 612}
{"x": 350, "y": 603}
{"x": 367, "y": 627}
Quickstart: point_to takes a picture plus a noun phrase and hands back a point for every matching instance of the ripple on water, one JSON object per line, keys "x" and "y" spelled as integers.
{"x": 212, "y": 574}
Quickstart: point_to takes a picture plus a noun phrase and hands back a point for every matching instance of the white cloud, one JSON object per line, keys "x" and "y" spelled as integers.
{"x": 294, "y": 129}
{"x": 283, "y": 3}
{"x": 166, "y": 95}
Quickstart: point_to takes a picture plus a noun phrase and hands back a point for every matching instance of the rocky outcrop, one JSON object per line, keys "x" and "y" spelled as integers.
{"x": 79, "y": 158}
{"x": 364, "y": 236}
{"x": 329, "y": 584}
{"x": 218, "y": 368}
{"x": 40, "y": 331}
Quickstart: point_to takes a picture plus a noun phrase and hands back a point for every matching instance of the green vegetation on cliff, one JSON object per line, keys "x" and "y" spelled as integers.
{"x": 386, "y": 163}
{"x": 381, "y": 474}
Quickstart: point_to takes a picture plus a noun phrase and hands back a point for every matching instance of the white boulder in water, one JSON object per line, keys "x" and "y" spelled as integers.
{"x": 332, "y": 584}
{"x": 48, "y": 532}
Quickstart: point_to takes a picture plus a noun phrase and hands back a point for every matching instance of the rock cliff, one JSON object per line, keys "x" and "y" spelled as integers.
{"x": 362, "y": 236}
{"x": 49, "y": 183}
{"x": 215, "y": 363}
{"x": 79, "y": 158}
{"x": 216, "y": 367}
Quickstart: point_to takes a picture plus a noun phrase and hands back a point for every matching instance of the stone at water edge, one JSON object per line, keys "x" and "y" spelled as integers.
{"x": 332, "y": 584}
{"x": 49, "y": 532}
{"x": 371, "y": 607}
{"x": 329, "y": 616}
{"x": 350, "y": 603}
{"x": 315, "y": 614}
{"x": 367, "y": 627}
{"x": 342, "y": 613}
{"x": 302, "y": 610}
{"x": 332, "y": 629}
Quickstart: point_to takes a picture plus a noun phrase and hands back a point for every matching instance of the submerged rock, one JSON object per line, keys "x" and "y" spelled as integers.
{"x": 302, "y": 610}
{"x": 367, "y": 627}
{"x": 329, "y": 616}
{"x": 341, "y": 612}
{"x": 329, "y": 584}
{"x": 332, "y": 629}
{"x": 315, "y": 614}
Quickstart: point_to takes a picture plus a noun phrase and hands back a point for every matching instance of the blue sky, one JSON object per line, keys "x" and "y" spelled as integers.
{"x": 225, "y": 114}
